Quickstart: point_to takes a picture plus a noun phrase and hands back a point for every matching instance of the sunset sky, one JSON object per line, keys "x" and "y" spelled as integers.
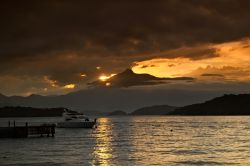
{"x": 56, "y": 46}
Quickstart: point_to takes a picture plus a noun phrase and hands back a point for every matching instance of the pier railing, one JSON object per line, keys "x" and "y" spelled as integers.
{"x": 17, "y": 130}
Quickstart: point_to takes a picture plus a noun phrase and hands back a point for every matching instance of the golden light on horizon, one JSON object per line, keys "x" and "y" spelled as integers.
{"x": 69, "y": 86}
{"x": 177, "y": 67}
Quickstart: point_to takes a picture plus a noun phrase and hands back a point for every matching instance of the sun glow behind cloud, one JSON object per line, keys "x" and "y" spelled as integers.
{"x": 232, "y": 60}
{"x": 104, "y": 77}
{"x": 52, "y": 83}
{"x": 69, "y": 86}
{"x": 83, "y": 75}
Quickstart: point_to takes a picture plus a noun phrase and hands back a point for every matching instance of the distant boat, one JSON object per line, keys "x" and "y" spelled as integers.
{"x": 76, "y": 120}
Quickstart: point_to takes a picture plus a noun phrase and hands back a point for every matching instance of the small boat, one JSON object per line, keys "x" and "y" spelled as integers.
{"x": 76, "y": 120}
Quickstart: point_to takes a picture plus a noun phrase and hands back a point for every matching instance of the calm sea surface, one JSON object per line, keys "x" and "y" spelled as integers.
{"x": 142, "y": 140}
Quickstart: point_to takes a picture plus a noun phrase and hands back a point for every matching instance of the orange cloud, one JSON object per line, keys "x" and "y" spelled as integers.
{"x": 232, "y": 60}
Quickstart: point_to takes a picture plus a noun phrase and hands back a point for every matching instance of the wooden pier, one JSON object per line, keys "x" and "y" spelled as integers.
{"x": 27, "y": 131}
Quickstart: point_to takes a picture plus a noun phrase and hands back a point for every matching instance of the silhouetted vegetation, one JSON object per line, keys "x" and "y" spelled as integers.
{"x": 30, "y": 112}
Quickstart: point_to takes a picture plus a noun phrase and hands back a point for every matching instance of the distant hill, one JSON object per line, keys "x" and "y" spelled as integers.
{"x": 30, "y": 112}
{"x": 154, "y": 110}
{"x": 126, "y": 91}
{"x": 104, "y": 99}
{"x": 117, "y": 113}
{"x": 225, "y": 105}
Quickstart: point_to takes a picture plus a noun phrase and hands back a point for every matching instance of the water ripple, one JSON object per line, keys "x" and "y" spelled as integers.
{"x": 138, "y": 141}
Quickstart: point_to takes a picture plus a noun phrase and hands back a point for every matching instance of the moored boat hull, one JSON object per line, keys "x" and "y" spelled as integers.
{"x": 76, "y": 124}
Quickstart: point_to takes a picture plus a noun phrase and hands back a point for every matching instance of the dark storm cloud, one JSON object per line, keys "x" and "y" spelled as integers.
{"x": 118, "y": 27}
{"x": 42, "y": 34}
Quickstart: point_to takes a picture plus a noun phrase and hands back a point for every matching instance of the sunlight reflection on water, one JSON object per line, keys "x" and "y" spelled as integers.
{"x": 142, "y": 140}
{"x": 102, "y": 154}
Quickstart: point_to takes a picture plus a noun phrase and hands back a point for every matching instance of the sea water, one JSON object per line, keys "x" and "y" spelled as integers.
{"x": 135, "y": 140}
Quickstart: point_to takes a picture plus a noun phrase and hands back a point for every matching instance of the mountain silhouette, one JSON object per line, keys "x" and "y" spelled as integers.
{"x": 154, "y": 110}
{"x": 117, "y": 113}
{"x": 128, "y": 78}
{"x": 103, "y": 100}
{"x": 100, "y": 99}
{"x": 225, "y": 105}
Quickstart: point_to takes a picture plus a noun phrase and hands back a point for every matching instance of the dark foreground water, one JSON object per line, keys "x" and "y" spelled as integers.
{"x": 144, "y": 140}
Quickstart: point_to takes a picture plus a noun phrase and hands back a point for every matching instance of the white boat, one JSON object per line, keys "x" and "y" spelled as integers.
{"x": 76, "y": 120}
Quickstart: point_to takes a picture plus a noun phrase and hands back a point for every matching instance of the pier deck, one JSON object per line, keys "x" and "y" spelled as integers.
{"x": 26, "y": 131}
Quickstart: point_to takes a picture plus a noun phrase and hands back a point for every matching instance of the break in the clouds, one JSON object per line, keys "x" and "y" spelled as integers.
{"x": 53, "y": 46}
